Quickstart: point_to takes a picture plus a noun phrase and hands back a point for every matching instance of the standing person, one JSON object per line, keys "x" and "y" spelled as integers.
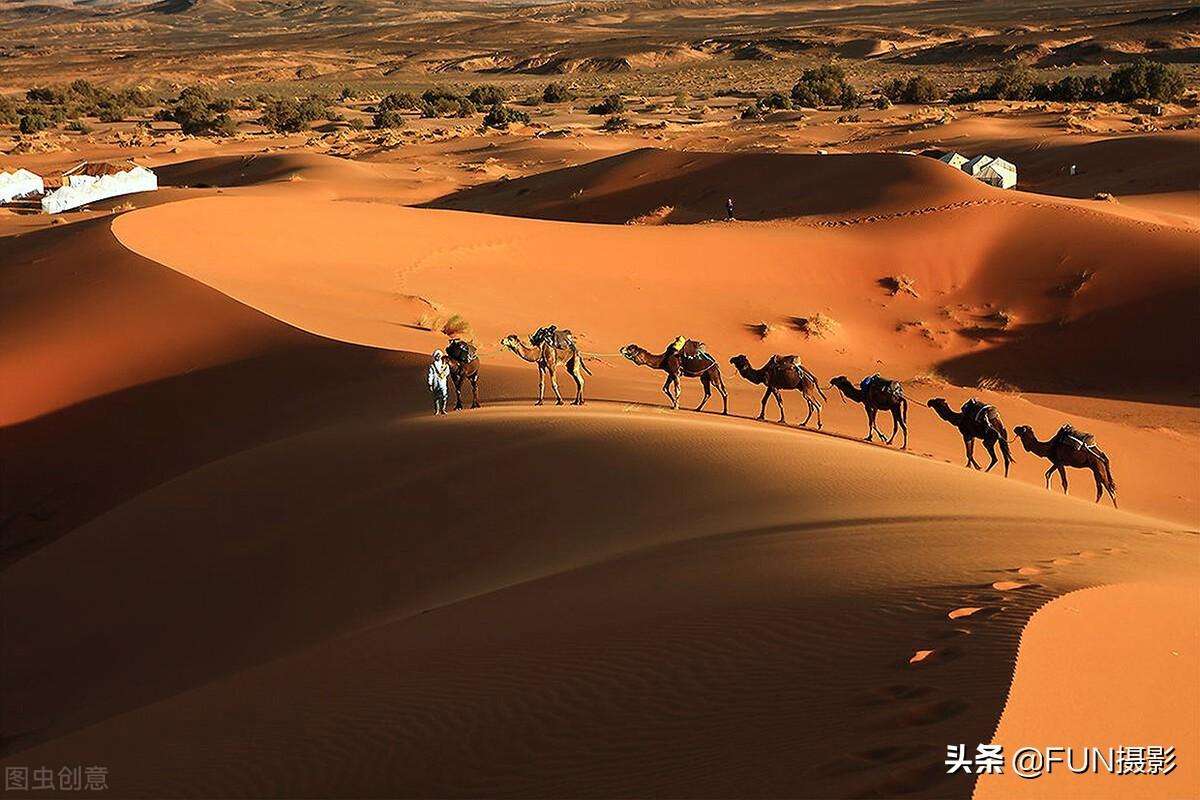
{"x": 439, "y": 374}
{"x": 729, "y": 208}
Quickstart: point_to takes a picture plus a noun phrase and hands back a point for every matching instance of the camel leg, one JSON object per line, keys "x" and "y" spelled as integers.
{"x": 554, "y": 386}
{"x": 706, "y": 383}
{"x": 1099, "y": 483}
{"x": 457, "y": 381}
{"x": 990, "y": 444}
{"x": 1062, "y": 473}
{"x": 871, "y": 429}
{"x": 1050, "y": 472}
{"x": 818, "y": 405}
{"x": 762, "y": 411}
{"x": 577, "y": 376}
{"x": 969, "y": 441}
{"x": 541, "y": 385}
{"x": 475, "y": 390}
{"x": 720, "y": 384}
{"x": 810, "y": 412}
{"x": 666, "y": 389}
{"x": 779, "y": 402}
{"x": 1008, "y": 459}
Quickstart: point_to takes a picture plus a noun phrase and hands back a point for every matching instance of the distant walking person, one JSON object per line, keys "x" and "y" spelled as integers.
{"x": 729, "y": 208}
{"x": 439, "y": 373}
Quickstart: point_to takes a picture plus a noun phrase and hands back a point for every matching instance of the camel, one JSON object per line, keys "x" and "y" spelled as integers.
{"x": 878, "y": 394}
{"x": 548, "y": 359}
{"x": 977, "y": 421}
{"x": 1071, "y": 448}
{"x": 463, "y": 360}
{"x": 676, "y": 365}
{"x": 783, "y": 372}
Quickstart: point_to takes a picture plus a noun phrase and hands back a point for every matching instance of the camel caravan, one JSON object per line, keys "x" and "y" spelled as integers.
{"x": 551, "y": 348}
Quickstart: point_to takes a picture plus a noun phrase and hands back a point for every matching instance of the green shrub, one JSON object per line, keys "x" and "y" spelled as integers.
{"x": 825, "y": 85}
{"x": 389, "y": 119}
{"x": 197, "y": 114}
{"x": 487, "y": 95}
{"x": 500, "y": 116}
{"x": 557, "y": 93}
{"x": 290, "y": 115}
{"x": 917, "y": 89}
{"x": 32, "y": 123}
{"x": 400, "y": 101}
{"x": 1146, "y": 80}
{"x": 614, "y": 124}
{"x": 44, "y": 94}
{"x": 612, "y": 104}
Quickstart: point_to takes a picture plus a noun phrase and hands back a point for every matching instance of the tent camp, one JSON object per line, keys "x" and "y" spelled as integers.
{"x": 976, "y": 165}
{"x": 98, "y": 180}
{"x": 955, "y": 160}
{"x": 999, "y": 173}
{"x": 19, "y": 183}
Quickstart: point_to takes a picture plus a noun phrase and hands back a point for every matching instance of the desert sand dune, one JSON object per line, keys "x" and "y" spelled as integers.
{"x": 286, "y": 578}
{"x": 408, "y": 593}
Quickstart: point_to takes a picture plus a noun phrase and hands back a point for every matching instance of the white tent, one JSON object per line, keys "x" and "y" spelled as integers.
{"x": 1000, "y": 173}
{"x": 955, "y": 160}
{"x": 91, "y": 181}
{"x": 976, "y": 165}
{"x": 19, "y": 183}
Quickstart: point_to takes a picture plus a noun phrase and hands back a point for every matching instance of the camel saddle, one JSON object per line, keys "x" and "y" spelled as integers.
{"x": 877, "y": 383}
{"x": 559, "y": 339}
{"x": 461, "y": 351}
{"x": 1074, "y": 438}
{"x": 975, "y": 409}
{"x": 692, "y": 353}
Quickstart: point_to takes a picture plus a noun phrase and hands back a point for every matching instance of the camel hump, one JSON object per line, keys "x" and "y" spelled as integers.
{"x": 975, "y": 409}
{"x": 882, "y": 385}
{"x": 461, "y": 351}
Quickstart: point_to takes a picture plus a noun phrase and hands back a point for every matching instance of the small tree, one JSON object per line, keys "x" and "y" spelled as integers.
{"x": 1149, "y": 80}
{"x": 614, "y": 124}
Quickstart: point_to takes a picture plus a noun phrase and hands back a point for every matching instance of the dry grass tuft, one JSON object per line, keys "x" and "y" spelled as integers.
{"x": 994, "y": 384}
{"x": 1105, "y": 197}
{"x": 1073, "y": 285}
{"x": 656, "y": 217}
{"x": 817, "y": 326}
{"x": 895, "y": 284}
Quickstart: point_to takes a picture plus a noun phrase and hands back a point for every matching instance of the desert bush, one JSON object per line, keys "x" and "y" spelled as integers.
{"x": 775, "y": 100}
{"x": 306, "y": 71}
{"x": 487, "y": 95}
{"x": 79, "y": 126}
{"x": 816, "y": 326}
{"x": 752, "y": 111}
{"x": 557, "y": 93}
{"x": 389, "y": 119}
{"x": 825, "y": 85}
{"x": 613, "y": 104}
{"x": 917, "y": 89}
{"x": 398, "y": 101}
{"x": 290, "y": 115}
{"x": 1145, "y": 80}
{"x": 45, "y": 94}
{"x": 500, "y": 116}
{"x": 112, "y": 113}
{"x": 615, "y": 123}
{"x": 883, "y": 103}
{"x": 136, "y": 97}
{"x": 8, "y": 112}
{"x": 197, "y": 114}
{"x": 32, "y": 123}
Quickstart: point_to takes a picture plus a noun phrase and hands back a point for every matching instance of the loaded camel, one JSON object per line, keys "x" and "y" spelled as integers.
{"x": 1071, "y": 448}
{"x": 878, "y": 394}
{"x": 783, "y": 372}
{"x": 687, "y": 360}
{"x": 977, "y": 420}
{"x": 549, "y": 354}
{"x": 463, "y": 360}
